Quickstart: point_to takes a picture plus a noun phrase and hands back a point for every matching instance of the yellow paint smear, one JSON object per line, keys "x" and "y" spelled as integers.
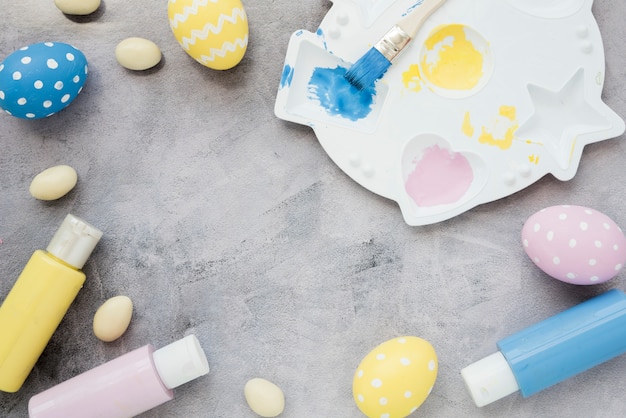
{"x": 503, "y": 131}
{"x": 412, "y": 79}
{"x": 468, "y": 128}
{"x": 509, "y": 112}
{"x": 452, "y": 62}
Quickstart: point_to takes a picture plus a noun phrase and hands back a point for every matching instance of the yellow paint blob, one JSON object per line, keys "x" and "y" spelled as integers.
{"x": 412, "y": 79}
{"x": 451, "y": 60}
{"x": 509, "y": 112}
{"x": 502, "y": 132}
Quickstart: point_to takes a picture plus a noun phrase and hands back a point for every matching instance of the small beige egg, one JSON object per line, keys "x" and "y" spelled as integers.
{"x": 77, "y": 7}
{"x": 137, "y": 54}
{"x": 264, "y": 397}
{"x": 112, "y": 318}
{"x": 53, "y": 183}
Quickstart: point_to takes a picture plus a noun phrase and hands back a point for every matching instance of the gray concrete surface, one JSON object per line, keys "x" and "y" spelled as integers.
{"x": 222, "y": 220}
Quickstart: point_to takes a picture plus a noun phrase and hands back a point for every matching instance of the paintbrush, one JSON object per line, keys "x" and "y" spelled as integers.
{"x": 373, "y": 65}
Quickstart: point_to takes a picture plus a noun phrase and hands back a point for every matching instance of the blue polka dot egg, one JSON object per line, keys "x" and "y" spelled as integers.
{"x": 41, "y": 79}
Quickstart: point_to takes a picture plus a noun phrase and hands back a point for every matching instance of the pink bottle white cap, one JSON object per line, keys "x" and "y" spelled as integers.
{"x": 180, "y": 362}
{"x": 74, "y": 241}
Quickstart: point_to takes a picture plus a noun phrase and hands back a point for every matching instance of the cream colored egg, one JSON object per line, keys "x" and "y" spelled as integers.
{"x": 77, "y": 7}
{"x": 137, "y": 54}
{"x": 395, "y": 378}
{"x": 112, "y": 318}
{"x": 213, "y": 32}
{"x": 264, "y": 397}
{"x": 53, "y": 183}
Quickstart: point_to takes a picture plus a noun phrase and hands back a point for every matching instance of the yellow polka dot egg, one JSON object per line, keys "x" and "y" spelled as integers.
{"x": 213, "y": 32}
{"x": 395, "y": 378}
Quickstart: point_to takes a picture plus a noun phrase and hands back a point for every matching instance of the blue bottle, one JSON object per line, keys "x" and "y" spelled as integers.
{"x": 552, "y": 350}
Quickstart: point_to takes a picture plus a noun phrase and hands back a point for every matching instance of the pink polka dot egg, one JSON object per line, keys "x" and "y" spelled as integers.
{"x": 395, "y": 378}
{"x": 41, "y": 79}
{"x": 575, "y": 244}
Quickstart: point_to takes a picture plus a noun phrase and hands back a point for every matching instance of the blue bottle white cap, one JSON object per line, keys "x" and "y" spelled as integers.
{"x": 74, "y": 241}
{"x": 180, "y": 362}
{"x": 489, "y": 379}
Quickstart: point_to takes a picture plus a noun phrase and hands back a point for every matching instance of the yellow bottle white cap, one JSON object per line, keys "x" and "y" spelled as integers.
{"x": 74, "y": 241}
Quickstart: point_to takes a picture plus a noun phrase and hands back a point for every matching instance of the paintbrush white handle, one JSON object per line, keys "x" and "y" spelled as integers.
{"x": 394, "y": 41}
{"x": 412, "y": 22}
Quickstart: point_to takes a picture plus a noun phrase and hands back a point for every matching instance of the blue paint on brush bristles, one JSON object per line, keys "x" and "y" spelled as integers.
{"x": 368, "y": 69}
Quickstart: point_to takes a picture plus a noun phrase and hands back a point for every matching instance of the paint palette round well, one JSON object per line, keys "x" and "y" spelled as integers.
{"x": 488, "y": 98}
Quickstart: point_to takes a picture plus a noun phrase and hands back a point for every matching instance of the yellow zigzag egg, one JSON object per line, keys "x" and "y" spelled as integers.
{"x": 213, "y": 32}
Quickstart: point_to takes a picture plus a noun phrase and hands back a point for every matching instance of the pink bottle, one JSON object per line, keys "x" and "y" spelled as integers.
{"x": 126, "y": 386}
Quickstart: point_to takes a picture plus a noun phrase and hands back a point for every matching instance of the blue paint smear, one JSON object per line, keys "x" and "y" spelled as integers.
{"x": 338, "y": 96}
{"x": 410, "y": 9}
{"x": 287, "y": 76}
{"x": 320, "y": 34}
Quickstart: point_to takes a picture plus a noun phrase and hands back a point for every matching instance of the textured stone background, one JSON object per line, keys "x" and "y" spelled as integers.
{"x": 224, "y": 221}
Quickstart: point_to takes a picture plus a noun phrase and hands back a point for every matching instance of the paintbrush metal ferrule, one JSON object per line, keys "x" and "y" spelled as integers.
{"x": 371, "y": 66}
{"x": 393, "y": 43}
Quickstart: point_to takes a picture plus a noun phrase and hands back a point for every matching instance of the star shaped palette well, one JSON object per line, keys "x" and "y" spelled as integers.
{"x": 565, "y": 120}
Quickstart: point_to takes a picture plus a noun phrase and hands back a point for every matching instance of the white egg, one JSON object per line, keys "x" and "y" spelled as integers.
{"x": 112, "y": 318}
{"x": 137, "y": 54}
{"x": 77, "y": 7}
{"x": 264, "y": 397}
{"x": 53, "y": 183}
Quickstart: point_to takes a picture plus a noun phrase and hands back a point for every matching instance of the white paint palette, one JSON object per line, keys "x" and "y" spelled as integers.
{"x": 488, "y": 98}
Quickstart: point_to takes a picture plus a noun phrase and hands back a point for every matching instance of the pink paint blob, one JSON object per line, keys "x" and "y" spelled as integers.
{"x": 440, "y": 177}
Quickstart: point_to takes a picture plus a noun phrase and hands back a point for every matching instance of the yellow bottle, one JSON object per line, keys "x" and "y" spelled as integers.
{"x": 40, "y": 298}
